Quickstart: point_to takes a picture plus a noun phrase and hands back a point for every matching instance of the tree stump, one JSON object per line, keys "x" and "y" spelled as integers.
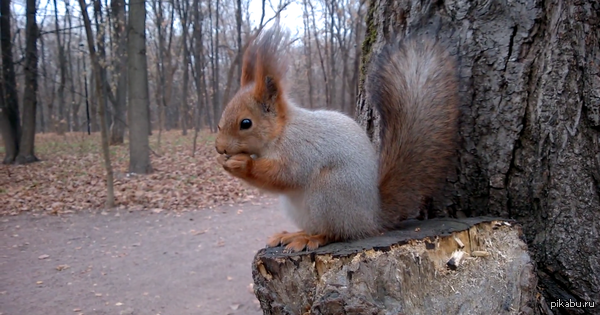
{"x": 416, "y": 270}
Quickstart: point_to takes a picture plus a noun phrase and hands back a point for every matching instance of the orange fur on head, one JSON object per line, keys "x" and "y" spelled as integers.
{"x": 260, "y": 98}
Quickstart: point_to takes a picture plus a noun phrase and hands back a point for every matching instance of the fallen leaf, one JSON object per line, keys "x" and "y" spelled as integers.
{"x": 43, "y": 256}
{"x": 62, "y": 267}
{"x": 118, "y": 304}
{"x": 250, "y": 288}
{"x": 234, "y": 306}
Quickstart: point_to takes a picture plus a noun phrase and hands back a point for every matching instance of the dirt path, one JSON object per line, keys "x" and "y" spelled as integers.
{"x": 135, "y": 263}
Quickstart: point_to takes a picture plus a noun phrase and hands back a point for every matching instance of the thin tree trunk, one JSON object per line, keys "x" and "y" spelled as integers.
{"x": 75, "y": 101}
{"x": 160, "y": 67}
{"x": 215, "y": 73}
{"x": 10, "y": 126}
{"x": 93, "y": 110}
{"x": 87, "y": 100}
{"x": 69, "y": 74}
{"x": 358, "y": 35}
{"x": 184, "y": 16}
{"x": 332, "y": 89}
{"x": 117, "y": 129}
{"x": 62, "y": 66}
{"x": 100, "y": 89}
{"x": 49, "y": 91}
{"x": 26, "y": 148}
{"x": 308, "y": 54}
{"x": 319, "y": 50}
{"x": 238, "y": 19}
{"x": 199, "y": 74}
{"x": 139, "y": 123}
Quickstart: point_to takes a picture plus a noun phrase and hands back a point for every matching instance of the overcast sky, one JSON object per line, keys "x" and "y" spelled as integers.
{"x": 291, "y": 16}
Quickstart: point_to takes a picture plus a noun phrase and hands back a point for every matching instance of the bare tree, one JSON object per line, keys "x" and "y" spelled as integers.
{"x": 198, "y": 71}
{"x": 164, "y": 67}
{"x": 100, "y": 89}
{"x": 325, "y": 65}
{"x": 26, "y": 147}
{"x": 62, "y": 65}
{"x": 139, "y": 124}
{"x": 117, "y": 129}
{"x": 320, "y": 53}
{"x": 215, "y": 68}
{"x": 331, "y": 49}
{"x": 184, "y": 16}
{"x": 238, "y": 22}
{"x": 308, "y": 53}
{"x": 10, "y": 126}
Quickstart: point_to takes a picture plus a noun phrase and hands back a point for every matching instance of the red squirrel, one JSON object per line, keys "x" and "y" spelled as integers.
{"x": 331, "y": 182}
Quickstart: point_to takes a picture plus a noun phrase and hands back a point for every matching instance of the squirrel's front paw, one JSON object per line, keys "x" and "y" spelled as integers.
{"x": 238, "y": 164}
{"x": 222, "y": 159}
{"x": 298, "y": 241}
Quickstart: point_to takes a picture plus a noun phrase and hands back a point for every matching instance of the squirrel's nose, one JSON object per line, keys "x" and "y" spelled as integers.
{"x": 220, "y": 151}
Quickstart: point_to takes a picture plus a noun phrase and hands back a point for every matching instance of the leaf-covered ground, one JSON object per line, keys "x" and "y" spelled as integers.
{"x": 71, "y": 176}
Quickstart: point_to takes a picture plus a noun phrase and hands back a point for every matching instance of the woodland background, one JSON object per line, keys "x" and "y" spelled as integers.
{"x": 105, "y": 94}
{"x": 154, "y": 89}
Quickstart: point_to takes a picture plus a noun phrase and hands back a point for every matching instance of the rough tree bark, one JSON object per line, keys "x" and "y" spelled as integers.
{"x": 404, "y": 272}
{"x": 10, "y": 126}
{"x": 26, "y": 153}
{"x": 139, "y": 122}
{"x": 530, "y": 127}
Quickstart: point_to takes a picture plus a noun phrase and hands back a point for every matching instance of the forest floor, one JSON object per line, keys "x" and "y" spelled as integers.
{"x": 71, "y": 176}
{"x": 180, "y": 241}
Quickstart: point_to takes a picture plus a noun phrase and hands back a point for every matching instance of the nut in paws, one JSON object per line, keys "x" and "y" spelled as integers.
{"x": 237, "y": 163}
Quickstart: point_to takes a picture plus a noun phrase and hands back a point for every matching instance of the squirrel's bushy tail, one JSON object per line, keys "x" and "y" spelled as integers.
{"x": 414, "y": 85}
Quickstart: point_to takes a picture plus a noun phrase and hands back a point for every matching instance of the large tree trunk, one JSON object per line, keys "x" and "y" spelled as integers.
{"x": 139, "y": 122}
{"x": 26, "y": 154}
{"x": 10, "y": 125}
{"x": 530, "y": 127}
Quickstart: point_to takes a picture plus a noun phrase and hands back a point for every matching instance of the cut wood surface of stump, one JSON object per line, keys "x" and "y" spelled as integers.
{"x": 440, "y": 266}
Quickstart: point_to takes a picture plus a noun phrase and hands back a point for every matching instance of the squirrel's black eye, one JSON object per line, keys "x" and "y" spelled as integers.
{"x": 245, "y": 124}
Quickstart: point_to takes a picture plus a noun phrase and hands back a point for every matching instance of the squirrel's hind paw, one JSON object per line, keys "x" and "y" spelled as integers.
{"x": 298, "y": 241}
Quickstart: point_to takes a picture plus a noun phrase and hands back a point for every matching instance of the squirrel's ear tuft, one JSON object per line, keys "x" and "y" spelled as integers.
{"x": 247, "y": 72}
{"x": 249, "y": 62}
{"x": 270, "y": 67}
